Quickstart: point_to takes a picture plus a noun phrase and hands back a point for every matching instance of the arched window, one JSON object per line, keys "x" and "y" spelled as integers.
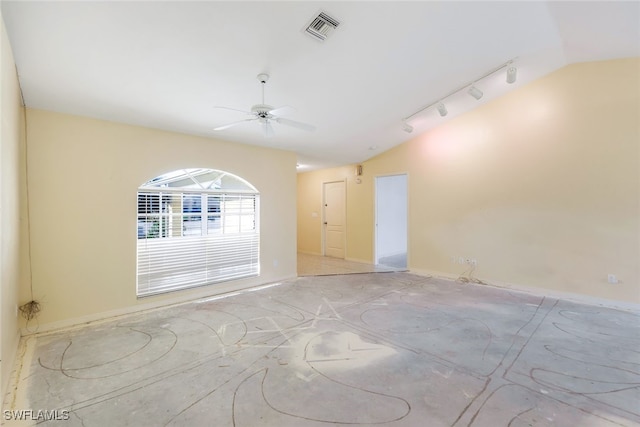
{"x": 196, "y": 227}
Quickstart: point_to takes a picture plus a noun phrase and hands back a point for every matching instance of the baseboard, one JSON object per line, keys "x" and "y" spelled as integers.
{"x": 541, "y": 292}
{"x": 192, "y": 296}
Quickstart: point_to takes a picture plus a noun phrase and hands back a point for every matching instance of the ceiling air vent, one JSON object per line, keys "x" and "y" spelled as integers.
{"x": 321, "y": 26}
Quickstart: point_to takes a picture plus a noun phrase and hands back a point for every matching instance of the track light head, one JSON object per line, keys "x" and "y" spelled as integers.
{"x": 407, "y": 127}
{"x": 475, "y": 92}
{"x": 511, "y": 74}
{"x": 442, "y": 109}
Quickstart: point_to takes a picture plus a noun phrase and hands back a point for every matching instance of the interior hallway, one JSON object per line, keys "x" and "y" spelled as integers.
{"x": 395, "y": 349}
{"x": 315, "y": 265}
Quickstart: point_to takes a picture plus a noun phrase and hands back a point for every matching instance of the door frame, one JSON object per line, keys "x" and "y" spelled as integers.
{"x": 375, "y": 213}
{"x": 323, "y": 229}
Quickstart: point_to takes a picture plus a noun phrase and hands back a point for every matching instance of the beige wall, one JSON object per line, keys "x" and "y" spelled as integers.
{"x": 12, "y": 208}
{"x": 83, "y": 179}
{"x": 359, "y": 202}
{"x": 541, "y": 186}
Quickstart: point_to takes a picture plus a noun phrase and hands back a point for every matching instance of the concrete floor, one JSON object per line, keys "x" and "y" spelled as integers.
{"x": 391, "y": 349}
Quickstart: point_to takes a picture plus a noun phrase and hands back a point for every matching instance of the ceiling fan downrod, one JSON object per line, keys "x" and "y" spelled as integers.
{"x": 263, "y": 79}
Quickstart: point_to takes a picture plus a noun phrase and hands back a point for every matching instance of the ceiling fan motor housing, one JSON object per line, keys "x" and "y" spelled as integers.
{"x": 261, "y": 110}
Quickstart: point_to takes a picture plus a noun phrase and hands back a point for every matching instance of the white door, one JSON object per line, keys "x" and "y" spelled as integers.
{"x": 391, "y": 220}
{"x": 334, "y": 218}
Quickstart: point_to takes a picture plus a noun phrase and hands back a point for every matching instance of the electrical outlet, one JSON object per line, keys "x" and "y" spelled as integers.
{"x": 611, "y": 278}
{"x": 474, "y": 262}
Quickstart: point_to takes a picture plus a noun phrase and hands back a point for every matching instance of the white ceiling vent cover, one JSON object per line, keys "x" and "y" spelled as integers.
{"x": 321, "y": 26}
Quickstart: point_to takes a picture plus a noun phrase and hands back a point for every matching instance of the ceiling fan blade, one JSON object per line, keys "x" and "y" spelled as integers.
{"x": 293, "y": 123}
{"x": 227, "y": 126}
{"x": 282, "y": 111}
{"x": 268, "y": 129}
{"x": 233, "y": 109}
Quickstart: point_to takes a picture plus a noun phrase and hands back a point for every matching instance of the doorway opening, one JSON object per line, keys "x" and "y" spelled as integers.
{"x": 391, "y": 221}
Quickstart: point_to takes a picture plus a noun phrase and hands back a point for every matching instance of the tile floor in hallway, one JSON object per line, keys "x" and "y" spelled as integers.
{"x": 392, "y": 349}
{"x": 315, "y": 265}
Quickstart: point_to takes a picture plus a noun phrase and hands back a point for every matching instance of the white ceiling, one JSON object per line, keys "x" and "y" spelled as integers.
{"x": 166, "y": 65}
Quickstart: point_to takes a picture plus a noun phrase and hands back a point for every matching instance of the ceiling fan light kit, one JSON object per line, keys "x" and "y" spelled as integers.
{"x": 265, "y": 115}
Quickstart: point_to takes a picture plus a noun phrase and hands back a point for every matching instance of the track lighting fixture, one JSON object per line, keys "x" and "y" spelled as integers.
{"x": 442, "y": 109}
{"x": 471, "y": 90}
{"x": 475, "y": 92}
{"x": 511, "y": 74}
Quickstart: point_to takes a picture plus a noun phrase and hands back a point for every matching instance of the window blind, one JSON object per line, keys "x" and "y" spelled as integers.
{"x": 193, "y": 238}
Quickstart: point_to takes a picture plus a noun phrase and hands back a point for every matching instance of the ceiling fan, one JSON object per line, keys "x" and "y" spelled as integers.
{"x": 265, "y": 114}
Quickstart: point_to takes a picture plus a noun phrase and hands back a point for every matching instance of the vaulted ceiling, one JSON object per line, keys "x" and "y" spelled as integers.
{"x": 166, "y": 65}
